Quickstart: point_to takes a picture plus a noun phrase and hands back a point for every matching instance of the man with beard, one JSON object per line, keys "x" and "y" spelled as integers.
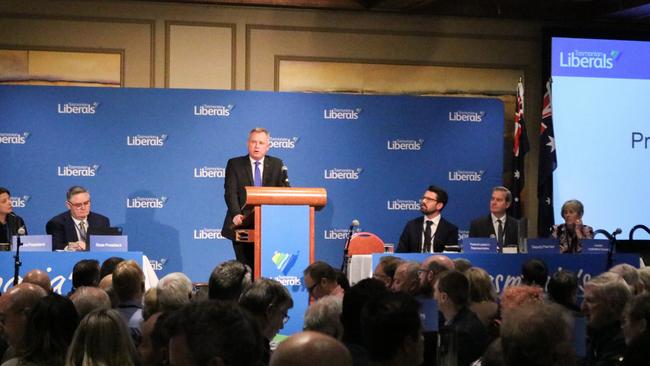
{"x": 430, "y": 232}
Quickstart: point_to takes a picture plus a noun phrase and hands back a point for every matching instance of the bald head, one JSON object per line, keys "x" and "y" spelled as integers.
{"x": 430, "y": 268}
{"x": 15, "y": 304}
{"x": 311, "y": 349}
{"x": 39, "y": 278}
{"x": 442, "y": 260}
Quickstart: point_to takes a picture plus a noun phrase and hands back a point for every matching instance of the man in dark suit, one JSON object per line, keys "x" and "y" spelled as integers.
{"x": 69, "y": 229}
{"x": 497, "y": 224}
{"x": 254, "y": 169}
{"x": 431, "y": 232}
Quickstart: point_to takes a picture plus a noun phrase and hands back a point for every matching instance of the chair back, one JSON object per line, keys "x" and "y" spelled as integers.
{"x": 365, "y": 243}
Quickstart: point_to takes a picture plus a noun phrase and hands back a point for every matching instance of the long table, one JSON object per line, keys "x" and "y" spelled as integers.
{"x": 59, "y": 266}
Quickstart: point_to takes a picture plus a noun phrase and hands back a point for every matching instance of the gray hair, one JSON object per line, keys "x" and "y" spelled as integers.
{"x": 573, "y": 205}
{"x": 324, "y": 316}
{"x": 75, "y": 190}
{"x": 174, "y": 290}
{"x": 610, "y": 289}
{"x": 505, "y": 190}
{"x": 87, "y": 299}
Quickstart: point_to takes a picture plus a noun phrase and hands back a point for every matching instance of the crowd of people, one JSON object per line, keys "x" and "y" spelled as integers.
{"x": 109, "y": 319}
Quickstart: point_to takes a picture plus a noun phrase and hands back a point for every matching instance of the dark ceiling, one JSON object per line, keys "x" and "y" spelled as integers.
{"x": 612, "y": 11}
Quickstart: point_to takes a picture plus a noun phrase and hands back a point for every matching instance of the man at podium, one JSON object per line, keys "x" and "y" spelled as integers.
{"x": 255, "y": 169}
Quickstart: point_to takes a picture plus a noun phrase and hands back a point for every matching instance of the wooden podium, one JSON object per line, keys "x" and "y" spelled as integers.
{"x": 257, "y": 197}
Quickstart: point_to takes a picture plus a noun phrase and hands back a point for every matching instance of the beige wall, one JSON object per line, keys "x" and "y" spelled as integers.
{"x": 219, "y": 47}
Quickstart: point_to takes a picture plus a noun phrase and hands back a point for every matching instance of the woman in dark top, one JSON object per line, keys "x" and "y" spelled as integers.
{"x": 9, "y": 221}
{"x": 573, "y": 230}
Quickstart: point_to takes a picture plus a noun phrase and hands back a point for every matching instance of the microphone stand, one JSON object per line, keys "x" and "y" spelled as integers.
{"x": 640, "y": 226}
{"x": 344, "y": 264}
{"x": 17, "y": 262}
{"x": 612, "y": 244}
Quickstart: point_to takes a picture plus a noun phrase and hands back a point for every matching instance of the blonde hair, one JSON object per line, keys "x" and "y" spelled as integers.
{"x": 480, "y": 285}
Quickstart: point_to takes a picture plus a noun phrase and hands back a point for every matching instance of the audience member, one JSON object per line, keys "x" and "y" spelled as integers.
{"x": 128, "y": 283}
{"x": 430, "y": 269}
{"x": 311, "y": 349}
{"x": 324, "y": 316}
{"x": 644, "y": 278}
{"x": 630, "y": 275}
{"x": 106, "y": 284}
{"x": 342, "y": 280}
{"x": 108, "y": 266}
{"x": 482, "y": 296}
{"x": 636, "y": 330}
{"x": 150, "y": 303}
{"x": 173, "y": 291}
{"x": 228, "y": 280}
{"x": 392, "y": 330}
{"x": 563, "y": 290}
{"x": 320, "y": 281}
{"x": 87, "y": 299}
{"x": 153, "y": 348}
{"x": 15, "y": 305}
{"x": 85, "y": 273}
{"x": 605, "y": 299}
{"x": 40, "y": 278}
{"x": 385, "y": 269}
{"x": 534, "y": 272}
{"x": 515, "y": 296}
{"x": 102, "y": 339}
{"x": 462, "y": 329}
{"x": 407, "y": 279}
{"x": 268, "y": 302}
{"x": 462, "y": 264}
{"x": 213, "y": 333}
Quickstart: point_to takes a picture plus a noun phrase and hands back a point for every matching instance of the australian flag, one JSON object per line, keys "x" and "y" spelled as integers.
{"x": 547, "y": 164}
{"x": 520, "y": 148}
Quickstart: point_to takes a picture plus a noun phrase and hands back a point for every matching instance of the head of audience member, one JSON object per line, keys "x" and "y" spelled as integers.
{"x": 258, "y": 143}
{"x": 173, "y": 291}
{"x": 106, "y": 284}
{"x": 354, "y": 300}
{"x": 321, "y": 280}
{"x": 268, "y": 302}
{"x": 200, "y": 291}
{"x": 150, "y": 303}
{"x": 78, "y": 202}
{"x": 644, "y": 278}
{"x": 500, "y": 201}
{"x": 87, "y": 299}
{"x": 213, "y": 333}
{"x": 605, "y": 299}
{"x": 311, "y": 349}
{"x": 563, "y": 289}
{"x": 50, "y": 327}
{"x": 572, "y": 211}
{"x": 407, "y": 279}
{"x": 516, "y": 296}
{"x": 480, "y": 285}
{"x": 128, "y": 282}
{"x": 385, "y": 269}
{"x": 430, "y": 269}
{"x": 534, "y": 272}
{"x": 5, "y": 204}
{"x": 324, "y": 316}
{"x": 85, "y": 273}
{"x": 451, "y": 292}
{"x": 15, "y": 305}
{"x": 228, "y": 280}
{"x": 636, "y": 319}
{"x": 102, "y": 338}
{"x": 462, "y": 264}
{"x": 630, "y": 275}
{"x": 108, "y": 266}
{"x": 342, "y": 280}
{"x": 40, "y": 278}
{"x": 433, "y": 201}
{"x": 153, "y": 348}
{"x": 392, "y": 330}
{"x": 537, "y": 335}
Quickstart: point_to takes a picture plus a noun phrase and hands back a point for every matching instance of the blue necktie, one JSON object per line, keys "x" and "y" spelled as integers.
{"x": 258, "y": 175}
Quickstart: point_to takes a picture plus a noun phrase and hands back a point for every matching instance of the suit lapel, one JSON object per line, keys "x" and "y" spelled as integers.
{"x": 266, "y": 174}
{"x": 71, "y": 230}
{"x": 248, "y": 171}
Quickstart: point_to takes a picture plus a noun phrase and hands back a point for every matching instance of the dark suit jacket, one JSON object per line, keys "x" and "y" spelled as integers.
{"x": 411, "y": 239}
{"x": 483, "y": 228}
{"x": 10, "y": 228}
{"x": 471, "y": 337}
{"x": 239, "y": 175}
{"x": 63, "y": 230}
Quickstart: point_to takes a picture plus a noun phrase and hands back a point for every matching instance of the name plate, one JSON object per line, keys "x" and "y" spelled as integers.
{"x": 591, "y": 246}
{"x": 109, "y": 243}
{"x": 33, "y": 243}
{"x": 479, "y": 245}
{"x": 543, "y": 245}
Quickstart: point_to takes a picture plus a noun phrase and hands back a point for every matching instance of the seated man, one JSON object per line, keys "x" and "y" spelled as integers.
{"x": 406, "y": 278}
{"x": 497, "y": 224}
{"x": 320, "y": 281}
{"x": 431, "y": 232}
{"x": 69, "y": 229}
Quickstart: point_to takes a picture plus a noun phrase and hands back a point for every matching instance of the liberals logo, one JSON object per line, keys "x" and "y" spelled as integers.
{"x": 466, "y": 176}
{"x": 77, "y": 170}
{"x": 338, "y": 113}
{"x": 283, "y": 142}
{"x": 213, "y": 110}
{"x": 146, "y": 202}
{"x": 158, "y": 264}
{"x": 14, "y": 138}
{"x": 207, "y": 234}
{"x": 146, "y": 140}
{"x": 589, "y": 59}
{"x": 19, "y": 202}
{"x": 402, "y": 205}
{"x": 335, "y": 234}
{"x": 343, "y": 174}
{"x": 77, "y": 108}
{"x": 465, "y": 116}
{"x": 209, "y": 172}
{"x": 284, "y": 262}
{"x": 412, "y": 145}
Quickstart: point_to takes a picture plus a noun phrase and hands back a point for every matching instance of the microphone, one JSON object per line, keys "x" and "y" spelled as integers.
{"x": 344, "y": 264}
{"x": 617, "y": 231}
{"x": 285, "y": 176}
{"x": 21, "y": 230}
{"x": 355, "y": 223}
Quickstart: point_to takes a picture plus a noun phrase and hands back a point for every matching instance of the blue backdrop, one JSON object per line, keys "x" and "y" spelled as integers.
{"x": 154, "y": 160}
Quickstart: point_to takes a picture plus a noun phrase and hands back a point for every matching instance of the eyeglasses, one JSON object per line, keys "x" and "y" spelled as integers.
{"x": 311, "y": 289}
{"x": 80, "y": 204}
{"x": 428, "y": 199}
